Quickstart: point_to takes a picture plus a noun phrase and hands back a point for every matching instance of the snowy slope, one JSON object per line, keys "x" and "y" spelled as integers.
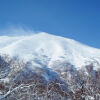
{"x": 47, "y": 49}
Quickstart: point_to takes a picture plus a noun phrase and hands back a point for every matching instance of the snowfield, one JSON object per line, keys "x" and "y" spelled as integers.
{"x": 48, "y": 49}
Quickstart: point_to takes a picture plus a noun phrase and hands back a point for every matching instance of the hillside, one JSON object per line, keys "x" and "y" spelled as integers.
{"x": 42, "y": 66}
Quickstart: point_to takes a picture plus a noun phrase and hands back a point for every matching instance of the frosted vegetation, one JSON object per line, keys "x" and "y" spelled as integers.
{"x": 19, "y": 82}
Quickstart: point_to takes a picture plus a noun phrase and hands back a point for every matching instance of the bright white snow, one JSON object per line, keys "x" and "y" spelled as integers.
{"x": 48, "y": 48}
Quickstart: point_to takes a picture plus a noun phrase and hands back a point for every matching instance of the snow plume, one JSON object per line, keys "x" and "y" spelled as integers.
{"x": 17, "y": 31}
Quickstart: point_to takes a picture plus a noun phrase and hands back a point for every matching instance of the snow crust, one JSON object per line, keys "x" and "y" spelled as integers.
{"x": 46, "y": 48}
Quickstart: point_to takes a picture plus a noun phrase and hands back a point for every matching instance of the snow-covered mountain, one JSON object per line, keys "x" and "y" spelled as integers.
{"x": 48, "y": 48}
{"x": 48, "y": 67}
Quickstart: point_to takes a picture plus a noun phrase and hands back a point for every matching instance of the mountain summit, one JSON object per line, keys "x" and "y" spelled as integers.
{"x": 48, "y": 48}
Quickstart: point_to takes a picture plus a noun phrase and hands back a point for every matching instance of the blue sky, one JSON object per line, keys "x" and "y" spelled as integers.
{"x": 76, "y": 19}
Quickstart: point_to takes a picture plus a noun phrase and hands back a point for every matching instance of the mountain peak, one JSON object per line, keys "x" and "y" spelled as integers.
{"x": 55, "y": 48}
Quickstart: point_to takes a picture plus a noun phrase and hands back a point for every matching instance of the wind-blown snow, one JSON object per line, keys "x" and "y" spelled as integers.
{"x": 46, "y": 49}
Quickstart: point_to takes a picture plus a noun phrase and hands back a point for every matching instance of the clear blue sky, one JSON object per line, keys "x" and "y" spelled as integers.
{"x": 76, "y": 19}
